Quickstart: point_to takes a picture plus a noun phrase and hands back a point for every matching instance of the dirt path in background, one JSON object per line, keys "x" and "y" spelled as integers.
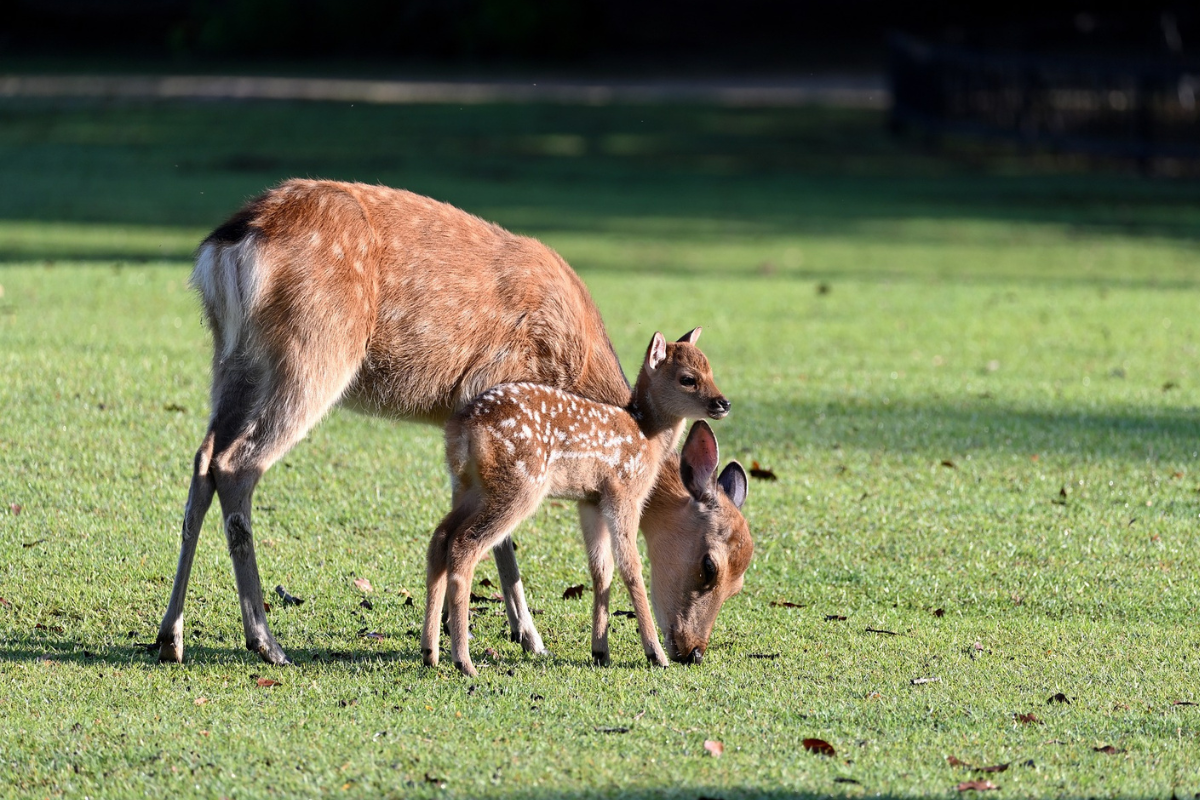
{"x": 869, "y": 92}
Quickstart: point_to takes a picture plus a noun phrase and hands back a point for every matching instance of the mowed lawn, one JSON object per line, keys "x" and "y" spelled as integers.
{"x": 976, "y": 377}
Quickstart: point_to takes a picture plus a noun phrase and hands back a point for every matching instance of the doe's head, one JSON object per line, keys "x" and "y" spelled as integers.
{"x": 698, "y": 541}
{"x": 679, "y": 380}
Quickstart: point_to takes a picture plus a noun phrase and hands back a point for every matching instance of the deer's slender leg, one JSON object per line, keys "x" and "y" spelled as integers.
{"x": 463, "y": 513}
{"x": 520, "y": 620}
{"x": 597, "y": 539}
{"x": 200, "y": 495}
{"x": 623, "y": 525}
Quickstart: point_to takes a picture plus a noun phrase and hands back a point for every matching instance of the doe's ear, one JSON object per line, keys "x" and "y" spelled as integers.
{"x": 691, "y": 336}
{"x": 656, "y": 353}
{"x": 699, "y": 460}
{"x": 733, "y": 481}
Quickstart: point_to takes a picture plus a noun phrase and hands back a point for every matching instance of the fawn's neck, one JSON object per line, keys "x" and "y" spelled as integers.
{"x": 663, "y": 428}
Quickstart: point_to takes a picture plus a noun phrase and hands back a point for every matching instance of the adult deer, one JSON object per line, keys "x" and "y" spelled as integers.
{"x": 393, "y": 304}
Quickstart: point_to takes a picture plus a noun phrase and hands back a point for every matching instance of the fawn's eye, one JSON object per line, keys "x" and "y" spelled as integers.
{"x": 709, "y": 567}
{"x": 687, "y": 380}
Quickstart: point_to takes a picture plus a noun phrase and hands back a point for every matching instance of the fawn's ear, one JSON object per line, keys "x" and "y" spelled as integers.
{"x": 734, "y": 482}
{"x": 699, "y": 460}
{"x": 691, "y": 336}
{"x": 656, "y": 353}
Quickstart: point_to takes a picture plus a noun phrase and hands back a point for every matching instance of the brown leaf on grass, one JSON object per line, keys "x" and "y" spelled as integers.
{"x": 994, "y": 768}
{"x": 478, "y": 598}
{"x": 367, "y": 604}
{"x": 1058, "y": 698}
{"x": 948, "y": 463}
{"x": 834, "y": 618}
{"x": 267, "y": 683}
{"x": 762, "y": 474}
{"x": 5, "y": 603}
{"x": 34, "y": 543}
{"x": 922, "y": 681}
{"x": 976, "y": 786}
{"x": 374, "y": 636}
{"x": 786, "y": 604}
{"x": 614, "y": 729}
{"x": 574, "y": 592}
{"x": 766, "y": 656}
{"x": 955, "y": 761}
{"x": 175, "y": 408}
{"x": 14, "y": 509}
{"x": 1034, "y": 457}
{"x": 486, "y": 583}
{"x": 288, "y": 599}
{"x": 52, "y": 628}
{"x": 939, "y": 612}
{"x": 1176, "y": 703}
{"x": 627, "y": 614}
{"x": 880, "y": 630}
{"x": 714, "y": 748}
{"x": 1061, "y": 500}
{"x": 1108, "y": 750}
{"x": 438, "y": 782}
{"x": 819, "y": 747}
{"x": 200, "y": 701}
{"x": 364, "y": 585}
{"x": 1169, "y": 385}
{"x": 408, "y": 601}
{"x": 491, "y": 653}
{"x": 840, "y": 779}
{"x": 1027, "y": 719}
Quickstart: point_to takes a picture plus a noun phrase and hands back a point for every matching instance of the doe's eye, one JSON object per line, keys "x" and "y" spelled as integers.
{"x": 687, "y": 380}
{"x": 709, "y": 568}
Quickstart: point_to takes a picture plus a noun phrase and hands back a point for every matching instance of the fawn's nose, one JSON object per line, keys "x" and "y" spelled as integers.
{"x": 695, "y": 657}
{"x": 718, "y": 407}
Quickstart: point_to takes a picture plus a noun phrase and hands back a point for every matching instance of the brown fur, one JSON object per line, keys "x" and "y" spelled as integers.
{"x": 519, "y": 443}
{"x": 321, "y": 293}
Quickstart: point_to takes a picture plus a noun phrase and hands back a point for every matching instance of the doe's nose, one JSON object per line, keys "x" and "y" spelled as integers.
{"x": 719, "y": 407}
{"x": 695, "y": 657}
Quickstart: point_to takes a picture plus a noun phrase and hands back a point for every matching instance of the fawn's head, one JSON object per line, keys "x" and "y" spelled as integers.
{"x": 699, "y": 543}
{"x": 677, "y": 379}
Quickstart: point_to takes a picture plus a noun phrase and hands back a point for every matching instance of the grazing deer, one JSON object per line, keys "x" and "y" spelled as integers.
{"x": 319, "y": 293}
{"x": 517, "y": 444}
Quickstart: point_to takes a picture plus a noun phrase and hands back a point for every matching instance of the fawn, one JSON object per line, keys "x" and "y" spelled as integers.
{"x": 518, "y": 443}
{"x": 321, "y": 293}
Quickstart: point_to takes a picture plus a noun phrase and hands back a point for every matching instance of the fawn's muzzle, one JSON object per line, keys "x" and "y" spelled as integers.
{"x": 718, "y": 408}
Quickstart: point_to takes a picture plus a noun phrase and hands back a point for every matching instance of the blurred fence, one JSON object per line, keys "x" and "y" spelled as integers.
{"x": 1126, "y": 108}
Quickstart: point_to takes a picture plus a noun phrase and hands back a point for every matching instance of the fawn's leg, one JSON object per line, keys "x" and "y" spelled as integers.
{"x": 435, "y": 574}
{"x": 598, "y": 540}
{"x": 623, "y": 524}
{"x": 520, "y": 621}
{"x": 200, "y": 495}
{"x": 466, "y": 546}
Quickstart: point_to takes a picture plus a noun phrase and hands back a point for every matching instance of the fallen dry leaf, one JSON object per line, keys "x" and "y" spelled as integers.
{"x": 939, "y": 612}
{"x": 288, "y": 599}
{"x": 200, "y": 701}
{"x": 714, "y": 747}
{"x": 786, "y": 604}
{"x": 1108, "y": 750}
{"x": 768, "y": 656}
{"x": 266, "y": 607}
{"x": 495, "y": 598}
{"x": 5, "y": 603}
{"x": 267, "y": 683}
{"x": 954, "y": 761}
{"x": 880, "y": 630}
{"x": 762, "y": 474}
{"x": 175, "y": 408}
{"x": 34, "y": 543}
{"x": 1176, "y": 703}
{"x": 363, "y": 584}
{"x": 374, "y": 636}
{"x": 1058, "y": 698}
{"x": 366, "y": 603}
{"x": 15, "y": 509}
{"x": 834, "y": 618}
{"x": 820, "y": 747}
{"x": 994, "y": 768}
{"x": 1027, "y": 719}
{"x": 922, "y": 681}
{"x": 485, "y": 582}
{"x": 574, "y": 592}
{"x": 840, "y": 779}
{"x": 615, "y": 729}
{"x": 948, "y": 463}
{"x": 976, "y": 786}
{"x": 491, "y": 653}
{"x": 438, "y": 782}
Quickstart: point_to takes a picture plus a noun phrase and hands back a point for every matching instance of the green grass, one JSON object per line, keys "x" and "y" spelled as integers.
{"x": 875, "y": 310}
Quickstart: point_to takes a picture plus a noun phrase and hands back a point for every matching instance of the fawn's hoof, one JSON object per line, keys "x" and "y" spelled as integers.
{"x": 466, "y": 668}
{"x": 429, "y": 657}
{"x": 600, "y": 658}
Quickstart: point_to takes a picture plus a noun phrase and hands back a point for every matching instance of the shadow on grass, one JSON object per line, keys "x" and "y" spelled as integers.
{"x": 946, "y": 429}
